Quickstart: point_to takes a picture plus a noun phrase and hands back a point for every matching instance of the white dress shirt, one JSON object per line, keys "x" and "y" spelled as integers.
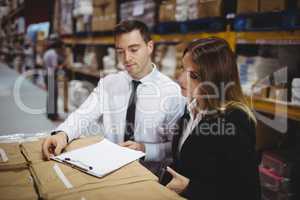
{"x": 159, "y": 105}
{"x": 193, "y": 122}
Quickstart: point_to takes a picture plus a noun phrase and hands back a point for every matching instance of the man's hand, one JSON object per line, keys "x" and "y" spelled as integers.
{"x": 54, "y": 145}
{"x": 133, "y": 145}
{"x": 179, "y": 183}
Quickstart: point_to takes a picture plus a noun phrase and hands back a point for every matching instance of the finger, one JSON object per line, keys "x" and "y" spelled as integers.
{"x": 58, "y": 149}
{"x": 169, "y": 185}
{"x": 122, "y": 144}
{"x": 45, "y": 148}
{"x": 172, "y": 172}
{"x": 131, "y": 146}
{"x": 126, "y": 144}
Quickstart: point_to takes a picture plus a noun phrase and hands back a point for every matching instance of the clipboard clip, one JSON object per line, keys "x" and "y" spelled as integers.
{"x": 82, "y": 166}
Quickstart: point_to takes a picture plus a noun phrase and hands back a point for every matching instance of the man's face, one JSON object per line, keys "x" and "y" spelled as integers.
{"x": 134, "y": 53}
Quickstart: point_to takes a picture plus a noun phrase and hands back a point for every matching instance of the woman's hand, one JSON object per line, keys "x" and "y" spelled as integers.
{"x": 179, "y": 183}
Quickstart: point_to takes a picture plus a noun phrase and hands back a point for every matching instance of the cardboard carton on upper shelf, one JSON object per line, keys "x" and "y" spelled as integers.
{"x": 140, "y": 10}
{"x": 167, "y": 11}
{"x": 274, "y": 5}
{"x": 210, "y": 8}
{"x": 245, "y": 6}
{"x": 104, "y": 15}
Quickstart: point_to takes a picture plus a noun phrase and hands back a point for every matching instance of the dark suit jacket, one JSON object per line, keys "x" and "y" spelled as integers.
{"x": 219, "y": 158}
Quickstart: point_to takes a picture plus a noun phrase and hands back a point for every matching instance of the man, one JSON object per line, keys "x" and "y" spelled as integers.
{"x": 52, "y": 61}
{"x": 138, "y": 107}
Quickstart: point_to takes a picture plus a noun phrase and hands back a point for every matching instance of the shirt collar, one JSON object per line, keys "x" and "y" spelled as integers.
{"x": 192, "y": 107}
{"x": 151, "y": 75}
{"x": 148, "y": 78}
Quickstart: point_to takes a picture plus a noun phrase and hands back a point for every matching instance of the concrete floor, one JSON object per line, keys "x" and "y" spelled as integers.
{"x": 22, "y": 105}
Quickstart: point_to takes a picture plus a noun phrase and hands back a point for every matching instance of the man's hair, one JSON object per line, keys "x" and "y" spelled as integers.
{"x": 131, "y": 25}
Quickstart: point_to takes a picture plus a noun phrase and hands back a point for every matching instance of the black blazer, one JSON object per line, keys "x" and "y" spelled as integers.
{"x": 219, "y": 158}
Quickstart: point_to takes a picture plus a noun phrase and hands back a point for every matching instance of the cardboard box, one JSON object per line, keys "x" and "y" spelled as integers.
{"x": 246, "y": 6}
{"x": 50, "y": 185}
{"x": 167, "y": 11}
{"x": 149, "y": 190}
{"x": 270, "y": 6}
{"x": 104, "y": 7}
{"x": 104, "y": 23}
{"x": 17, "y": 184}
{"x": 210, "y": 8}
{"x": 144, "y": 11}
{"x": 33, "y": 150}
{"x": 15, "y": 159}
{"x": 104, "y": 15}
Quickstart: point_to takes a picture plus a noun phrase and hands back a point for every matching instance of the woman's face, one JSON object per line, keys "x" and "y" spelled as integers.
{"x": 189, "y": 79}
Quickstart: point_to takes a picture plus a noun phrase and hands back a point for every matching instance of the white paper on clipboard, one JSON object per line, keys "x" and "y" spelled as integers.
{"x": 100, "y": 159}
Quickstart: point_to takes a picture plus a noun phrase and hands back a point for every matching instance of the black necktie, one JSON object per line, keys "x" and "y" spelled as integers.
{"x": 130, "y": 115}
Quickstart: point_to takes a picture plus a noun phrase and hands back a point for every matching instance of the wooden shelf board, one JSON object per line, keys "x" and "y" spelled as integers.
{"x": 279, "y": 108}
{"x": 86, "y": 71}
{"x": 268, "y": 37}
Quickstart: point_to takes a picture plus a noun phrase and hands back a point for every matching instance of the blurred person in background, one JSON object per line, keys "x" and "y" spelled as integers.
{"x": 53, "y": 59}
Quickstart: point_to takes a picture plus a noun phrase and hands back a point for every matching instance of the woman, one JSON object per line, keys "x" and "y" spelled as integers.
{"x": 214, "y": 152}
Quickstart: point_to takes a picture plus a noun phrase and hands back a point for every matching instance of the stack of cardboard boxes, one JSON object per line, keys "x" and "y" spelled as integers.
{"x": 104, "y": 15}
{"x": 16, "y": 181}
{"x": 254, "y": 6}
{"x": 143, "y": 10}
{"x": 27, "y": 176}
{"x": 196, "y": 9}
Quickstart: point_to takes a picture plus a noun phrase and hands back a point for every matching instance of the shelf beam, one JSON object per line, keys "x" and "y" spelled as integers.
{"x": 269, "y": 37}
{"x": 273, "y": 107}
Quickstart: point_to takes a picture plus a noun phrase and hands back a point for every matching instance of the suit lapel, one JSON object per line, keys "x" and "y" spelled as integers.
{"x": 181, "y": 123}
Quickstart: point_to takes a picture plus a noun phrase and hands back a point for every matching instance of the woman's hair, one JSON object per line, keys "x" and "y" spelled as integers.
{"x": 220, "y": 86}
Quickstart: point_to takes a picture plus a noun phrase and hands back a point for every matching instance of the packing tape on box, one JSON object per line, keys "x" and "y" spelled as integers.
{"x": 62, "y": 177}
{"x": 3, "y": 156}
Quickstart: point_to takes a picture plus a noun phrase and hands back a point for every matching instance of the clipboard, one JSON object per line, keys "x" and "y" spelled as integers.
{"x": 99, "y": 159}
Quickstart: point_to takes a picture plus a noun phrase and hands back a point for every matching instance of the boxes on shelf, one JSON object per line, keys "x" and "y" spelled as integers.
{"x": 167, "y": 11}
{"x": 66, "y": 21}
{"x": 143, "y": 10}
{"x": 14, "y": 5}
{"x": 270, "y": 6}
{"x": 210, "y": 8}
{"x": 104, "y": 15}
{"x": 83, "y": 23}
{"x": 245, "y": 6}
{"x": 40, "y": 35}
